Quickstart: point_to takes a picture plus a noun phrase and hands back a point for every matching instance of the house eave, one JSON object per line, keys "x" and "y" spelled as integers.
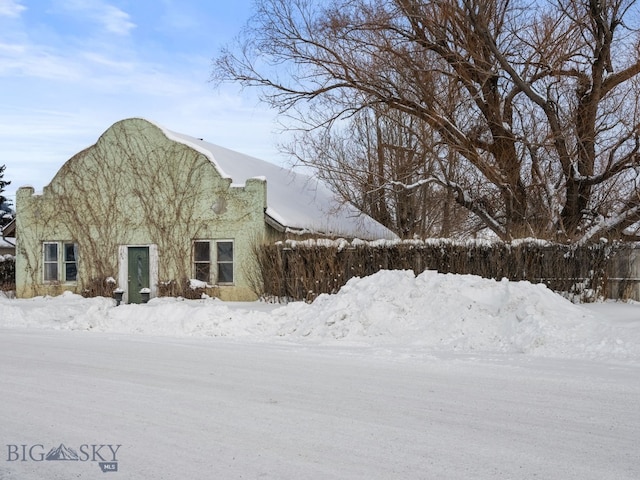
{"x": 279, "y": 227}
{"x": 272, "y": 222}
{"x": 9, "y": 229}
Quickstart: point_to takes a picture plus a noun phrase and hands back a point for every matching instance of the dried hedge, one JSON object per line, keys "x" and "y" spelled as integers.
{"x": 7, "y": 272}
{"x": 302, "y": 270}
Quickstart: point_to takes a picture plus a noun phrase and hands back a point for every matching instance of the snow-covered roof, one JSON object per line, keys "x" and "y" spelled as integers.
{"x": 295, "y": 201}
{"x": 7, "y": 242}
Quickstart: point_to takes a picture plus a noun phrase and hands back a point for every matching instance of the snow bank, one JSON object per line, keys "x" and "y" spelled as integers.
{"x": 463, "y": 313}
{"x": 161, "y": 316}
{"x": 444, "y": 312}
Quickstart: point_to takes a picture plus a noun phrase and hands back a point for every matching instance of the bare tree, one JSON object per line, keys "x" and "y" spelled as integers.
{"x": 544, "y": 130}
{"x": 372, "y": 158}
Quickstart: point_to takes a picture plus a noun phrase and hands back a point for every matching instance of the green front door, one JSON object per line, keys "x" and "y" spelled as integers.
{"x": 138, "y": 268}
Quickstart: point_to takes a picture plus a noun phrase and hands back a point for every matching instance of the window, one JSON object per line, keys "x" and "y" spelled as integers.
{"x": 203, "y": 260}
{"x": 60, "y": 261}
{"x": 69, "y": 260}
{"x": 225, "y": 261}
{"x": 50, "y": 262}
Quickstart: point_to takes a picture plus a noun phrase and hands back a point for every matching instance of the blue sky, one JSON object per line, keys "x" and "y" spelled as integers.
{"x": 71, "y": 68}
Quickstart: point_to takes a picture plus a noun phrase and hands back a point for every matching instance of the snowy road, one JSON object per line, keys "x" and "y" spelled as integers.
{"x": 199, "y": 408}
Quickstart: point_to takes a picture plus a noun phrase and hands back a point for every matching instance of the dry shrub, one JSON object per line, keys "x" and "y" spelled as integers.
{"x": 291, "y": 271}
{"x": 7, "y": 272}
{"x": 101, "y": 286}
{"x": 184, "y": 289}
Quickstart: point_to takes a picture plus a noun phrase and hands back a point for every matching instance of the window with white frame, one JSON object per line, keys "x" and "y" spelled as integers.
{"x": 224, "y": 259}
{"x": 60, "y": 262}
{"x": 217, "y": 254}
{"x": 50, "y": 262}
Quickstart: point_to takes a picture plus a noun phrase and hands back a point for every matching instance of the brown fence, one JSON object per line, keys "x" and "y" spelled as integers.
{"x": 301, "y": 270}
{"x": 624, "y": 273}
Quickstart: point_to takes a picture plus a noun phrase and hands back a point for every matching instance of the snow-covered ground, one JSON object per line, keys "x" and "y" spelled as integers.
{"x": 396, "y": 376}
{"x": 430, "y": 312}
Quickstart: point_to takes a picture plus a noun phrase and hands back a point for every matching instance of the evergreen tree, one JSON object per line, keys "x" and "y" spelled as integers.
{"x": 4, "y": 202}
{"x": 3, "y": 183}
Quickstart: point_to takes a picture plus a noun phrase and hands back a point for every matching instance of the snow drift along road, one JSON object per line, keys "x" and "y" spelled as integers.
{"x": 461, "y": 313}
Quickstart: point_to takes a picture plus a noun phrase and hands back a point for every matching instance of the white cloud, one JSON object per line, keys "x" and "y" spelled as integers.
{"x": 116, "y": 21}
{"x": 23, "y": 60}
{"x": 68, "y": 86}
{"x": 11, "y": 8}
{"x": 102, "y": 60}
{"x": 12, "y": 49}
{"x": 111, "y": 18}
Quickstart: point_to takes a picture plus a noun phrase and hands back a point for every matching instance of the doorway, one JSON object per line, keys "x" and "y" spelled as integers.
{"x": 138, "y": 272}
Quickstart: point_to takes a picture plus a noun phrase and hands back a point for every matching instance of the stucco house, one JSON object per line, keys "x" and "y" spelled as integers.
{"x": 148, "y": 209}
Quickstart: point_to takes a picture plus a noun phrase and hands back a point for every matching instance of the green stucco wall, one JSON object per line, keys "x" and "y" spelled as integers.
{"x": 137, "y": 187}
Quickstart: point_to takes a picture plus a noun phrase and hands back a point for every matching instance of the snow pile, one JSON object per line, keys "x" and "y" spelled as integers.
{"x": 161, "y": 316}
{"x": 463, "y": 313}
{"x": 444, "y": 312}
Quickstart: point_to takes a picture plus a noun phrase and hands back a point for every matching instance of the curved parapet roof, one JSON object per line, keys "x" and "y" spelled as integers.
{"x": 295, "y": 201}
